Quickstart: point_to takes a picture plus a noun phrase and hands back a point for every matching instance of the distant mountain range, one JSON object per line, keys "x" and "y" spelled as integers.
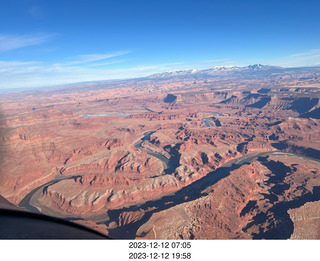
{"x": 220, "y": 73}
{"x": 250, "y": 70}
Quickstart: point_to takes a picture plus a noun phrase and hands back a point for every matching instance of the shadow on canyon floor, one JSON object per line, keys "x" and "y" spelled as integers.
{"x": 280, "y": 226}
{"x": 186, "y": 194}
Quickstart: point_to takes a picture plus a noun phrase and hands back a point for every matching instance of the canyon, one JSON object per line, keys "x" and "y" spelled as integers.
{"x": 223, "y": 153}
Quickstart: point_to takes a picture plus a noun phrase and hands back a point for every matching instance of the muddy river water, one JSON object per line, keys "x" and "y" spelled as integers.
{"x": 185, "y": 194}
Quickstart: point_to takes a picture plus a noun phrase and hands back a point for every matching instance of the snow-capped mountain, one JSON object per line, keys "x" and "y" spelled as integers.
{"x": 225, "y": 68}
{"x": 218, "y": 70}
{"x": 175, "y": 73}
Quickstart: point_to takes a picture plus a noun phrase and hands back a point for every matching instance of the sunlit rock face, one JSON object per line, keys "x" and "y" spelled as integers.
{"x": 191, "y": 154}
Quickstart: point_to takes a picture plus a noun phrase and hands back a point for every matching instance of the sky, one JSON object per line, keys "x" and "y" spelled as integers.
{"x": 55, "y": 42}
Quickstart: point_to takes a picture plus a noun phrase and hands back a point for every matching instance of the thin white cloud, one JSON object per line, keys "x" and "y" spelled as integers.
{"x": 17, "y": 67}
{"x": 86, "y": 58}
{"x": 101, "y": 64}
{"x": 308, "y": 58}
{"x": 307, "y": 54}
{"x": 11, "y": 42}
{"x": 16, "y": 74}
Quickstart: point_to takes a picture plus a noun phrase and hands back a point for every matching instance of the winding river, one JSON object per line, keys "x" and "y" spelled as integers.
{"x": 169, "y": 166}
{"x": 208, "y": 124}
{"x": 185, "y": 194}
{"x": 26, "y": 201}
{"x": 188, "y": 193}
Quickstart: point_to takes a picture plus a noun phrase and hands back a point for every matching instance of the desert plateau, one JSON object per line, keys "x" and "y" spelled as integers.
{"x": 224, "y": 153}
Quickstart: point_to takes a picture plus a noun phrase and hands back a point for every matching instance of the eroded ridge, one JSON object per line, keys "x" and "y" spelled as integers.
{"x": 170, "y": 157}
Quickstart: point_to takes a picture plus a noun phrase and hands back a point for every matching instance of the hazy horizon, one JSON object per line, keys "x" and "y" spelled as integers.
{"x": 17, "y": 89}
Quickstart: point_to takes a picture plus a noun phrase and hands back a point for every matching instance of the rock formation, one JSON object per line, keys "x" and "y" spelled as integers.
{"x": 170, "y": 156}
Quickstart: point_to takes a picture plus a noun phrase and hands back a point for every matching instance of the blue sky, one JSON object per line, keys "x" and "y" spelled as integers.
{"x": 52, "y": 42}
